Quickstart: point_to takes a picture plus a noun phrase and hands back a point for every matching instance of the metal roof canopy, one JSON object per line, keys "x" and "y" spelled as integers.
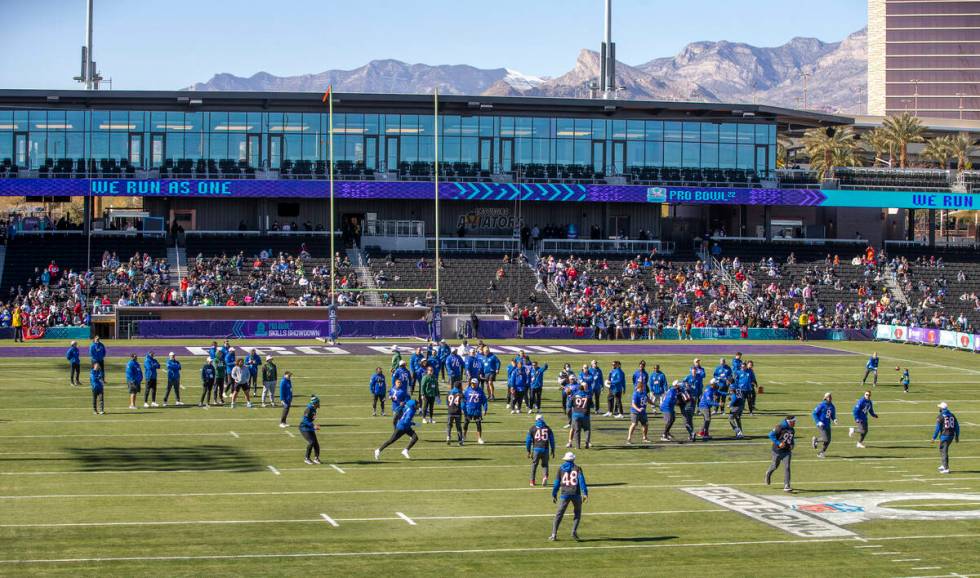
{"x": 414, "y": 104}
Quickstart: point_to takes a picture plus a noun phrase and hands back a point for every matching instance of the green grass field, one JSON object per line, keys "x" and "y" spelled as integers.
{"x": 190, "y": 492}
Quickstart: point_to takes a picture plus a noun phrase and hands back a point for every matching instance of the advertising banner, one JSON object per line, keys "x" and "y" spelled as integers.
{"x": 964, "y": 341}
{"x": 923, "y": 336}
{"x": 885, "y": 332}
{"x": 947, "y": 338}
{"x": 450, "y": 191}
{"x": 900, "y": 333}
{"x": 280, "y": 329}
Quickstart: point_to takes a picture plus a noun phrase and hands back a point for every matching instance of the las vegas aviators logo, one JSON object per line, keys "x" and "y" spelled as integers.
{"x": 965, "y": 341}
{"x": 931, "y": 337}
{"x": 899, "y": 333}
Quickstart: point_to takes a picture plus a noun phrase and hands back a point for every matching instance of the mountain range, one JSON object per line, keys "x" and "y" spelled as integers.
{"x": 720, "y": 71}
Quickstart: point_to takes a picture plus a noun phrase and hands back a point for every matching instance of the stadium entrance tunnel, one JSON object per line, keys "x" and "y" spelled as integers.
{"x": 193, "y": 458}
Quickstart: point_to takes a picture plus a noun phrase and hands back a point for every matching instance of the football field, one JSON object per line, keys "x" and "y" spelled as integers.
{"x": 187, "y": 491}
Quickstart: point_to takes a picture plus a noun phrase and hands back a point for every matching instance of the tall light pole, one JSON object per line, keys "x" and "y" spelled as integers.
{"x": 915, "y": 96}
{"x": 607, "y": 58}
{"x": 806, "y": 76}
{"x": 88, "y": 75}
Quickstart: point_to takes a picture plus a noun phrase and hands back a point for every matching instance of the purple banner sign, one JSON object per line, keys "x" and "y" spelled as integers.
{"x": 279, "y": 329}
{"x": 924, "y": 336}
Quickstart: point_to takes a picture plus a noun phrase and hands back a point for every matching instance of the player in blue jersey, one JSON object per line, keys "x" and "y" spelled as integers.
{"x": 906, "y": 380}
{"x": 398, "y": 395}
{"x": 687, "y": 400}
{"x": 724, "y": 377}
{"x": 569, "y": 488}
{"x": 74, "y": 364}
{"x": 947, "y": 430}
{"x": 735, "y": 409}
{"x": 657, "y": 387}
{"x": 454, "y": 413}
{"x": 598, "y": 382}
{"x": 539, "y": 442}
{"x": 706, "y": 405}
{"x": 308, "y": 429}
{"x": 537, "y": 386}
{"x": 474, "y": 408}
{"x": 97, "y": 381}
{"x": 862, "y": 409}
{"x": 638, "y": 412}
{"x": 580, "y": 406}
{"x": 668, "y": 407}
{"x": 617, "y": 386}
{"x": 378, "y": 389}
{"x": 824, "y": 415}
{"x": 404, "y": 427}
{"x": 871, "y": 367}
{"x": 134, "y": 377}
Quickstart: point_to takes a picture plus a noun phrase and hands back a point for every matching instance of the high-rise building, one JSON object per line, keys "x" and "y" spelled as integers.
{"x": 924, "y": 58}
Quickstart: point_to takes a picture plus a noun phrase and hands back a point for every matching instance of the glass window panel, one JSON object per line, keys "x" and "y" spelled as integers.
{"x": 410, "y": 148}
{"x": 726, "y": 156}
{"x": 118, "y": 145}
{"x": 7, "y": 145}
{"x": 728, "y": 133}
{"x": 692, "y": 132}
{"x": 100, "y": 120}
{"x": 563, "y": 154}
{"x": 274, "y": 119}
{"x": 772, "y": 134}
{"x": 450, "y": 125}
{"x": 746, "y": 157}
{"x": 426, "y": 124}
{"x": 672, "y": 154}
{"x": 599, "y": 128}
{"x": 175, "y": 121}
{"x": 236, "y": 147}
{"x": 634, "y": 129}
{"x": 309, "y": 147}
{"x": 542, "y": 151}
{"x": 583, "y": 152}
{"x": 371, "y": 124}
{"x": 654, "y": 154}
{"x": 524, "y": 150}
{"x": 157, "y": 121}
{"x": 566, "y": 128}
{"x": 449, "y": 151}
{"x": 506, "y": 126}
{"x": 75, "y": 118}
{"x": 100, "y": 145}
{"x": 255, "y": 119}
{"x": 746, "y": 134}
{"x": 119, "y": 119}
{"x": 409, "y": 124}
{"x": 56, "y": 117}
{"x": 138, "y": 121}
{"x": 194, "y": 144}
{"x": 543, "y": 128}
{"x": 293, "y": 146}
{"x": 469, "y": 126}
{"x": 37, "y": 117}
{"x": 486, "y": 126}
{"x": 468, "y": 148}
{"x": 654, "y": 130}
{"x": 691, "y": 155}
{"x": 583, "y": 128}
{"x": 314, "y": 123}
{"x": 709, "y": 132}
{"x": 427, "y": 151}
{"x": 6, "y": 116}
{"x": 619, "y": 129}
{"x": 56, "y": 144}
{"x": 37, "y": 143}
{"x": 175, "y": 145}
{"x": 761, "y": 134}
{"x": 76, "y": 145}
{"x": 672, "y": 131}
{"x": 709, "y": 155}
{"x": 634, "y": 153}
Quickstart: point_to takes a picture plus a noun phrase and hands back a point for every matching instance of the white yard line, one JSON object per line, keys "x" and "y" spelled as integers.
{"x": 410, "y": 521}
{"x": 290, "y": 434}
{"x": 274, "y": 470}
{"x": 420, "y": 490}
{"x": 334, "y": 466}
{"x": 907, "y": 560}
{"x": 565, "y": 551}
{"x": 330, "y": 520}
{"x": 234, "y": 434}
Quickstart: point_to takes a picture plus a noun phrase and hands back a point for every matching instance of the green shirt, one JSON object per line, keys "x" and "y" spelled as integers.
{"x": 395, "y": 360}
{"x": 430, "y": 386}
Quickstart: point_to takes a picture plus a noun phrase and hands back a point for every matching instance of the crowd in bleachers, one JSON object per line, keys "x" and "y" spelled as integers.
{"x": 52, "y": 297}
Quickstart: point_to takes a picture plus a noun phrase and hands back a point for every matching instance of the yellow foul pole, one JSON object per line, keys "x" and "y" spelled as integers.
{"x": 333, "y": 264}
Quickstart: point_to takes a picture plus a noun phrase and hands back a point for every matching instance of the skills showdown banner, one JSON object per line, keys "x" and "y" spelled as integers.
{"x": 553, "y": 192}
{"x": 925, "y": 336}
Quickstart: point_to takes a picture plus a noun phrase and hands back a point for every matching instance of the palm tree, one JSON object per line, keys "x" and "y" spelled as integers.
{"x": 902, "y": 130}
{"x": 783, "y": 142}
{"x": 829, "y": 148}
{"x": 939, "y": 149}
{"x": 880, "y": 144}
{"x": 961, "y": 146}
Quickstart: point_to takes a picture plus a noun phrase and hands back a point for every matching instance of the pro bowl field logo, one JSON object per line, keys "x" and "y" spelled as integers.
{"x": 656, "y": 195}
{"x": 260, "y": 330}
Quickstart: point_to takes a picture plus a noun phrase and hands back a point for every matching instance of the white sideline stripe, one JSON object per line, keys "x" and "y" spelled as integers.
{"x": 274, "y": 470}
{"x": 335, "y": 521}
{"x": 908, "y": 560}
{"x": 872, "y": 546}
{"x": 926, "y": 568}
{"x": 884, "y": 553}
{"x": 334, "y": 466}
{"x": 290, "y": 434}
{"x": 330, "y": 520}
{"x": 422, "y": 490}
{"x": 234, "y": 434}
{"x": 565, "y": 550}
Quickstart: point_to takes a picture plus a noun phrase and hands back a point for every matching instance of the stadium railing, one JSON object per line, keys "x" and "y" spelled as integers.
{"x": 606, "y": 246}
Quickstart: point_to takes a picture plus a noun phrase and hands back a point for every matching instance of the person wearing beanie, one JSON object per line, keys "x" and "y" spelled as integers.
{"x": 404, "y": 427}
{"x": 569, "y": 488}
{"x": 74, "y": 364}
{"x": 823, "y": 415}
{"x": 861, "y": 411}
{"x": 540, "y": 442}
{"x": 173, "y": 379}
{"x": 947, "y": 430}
{"x": 308, "y": 428}
{"x": 270, "y": 375}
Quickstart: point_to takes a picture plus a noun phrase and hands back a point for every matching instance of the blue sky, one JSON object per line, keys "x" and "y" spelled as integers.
{"x": 169, "y": 44}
